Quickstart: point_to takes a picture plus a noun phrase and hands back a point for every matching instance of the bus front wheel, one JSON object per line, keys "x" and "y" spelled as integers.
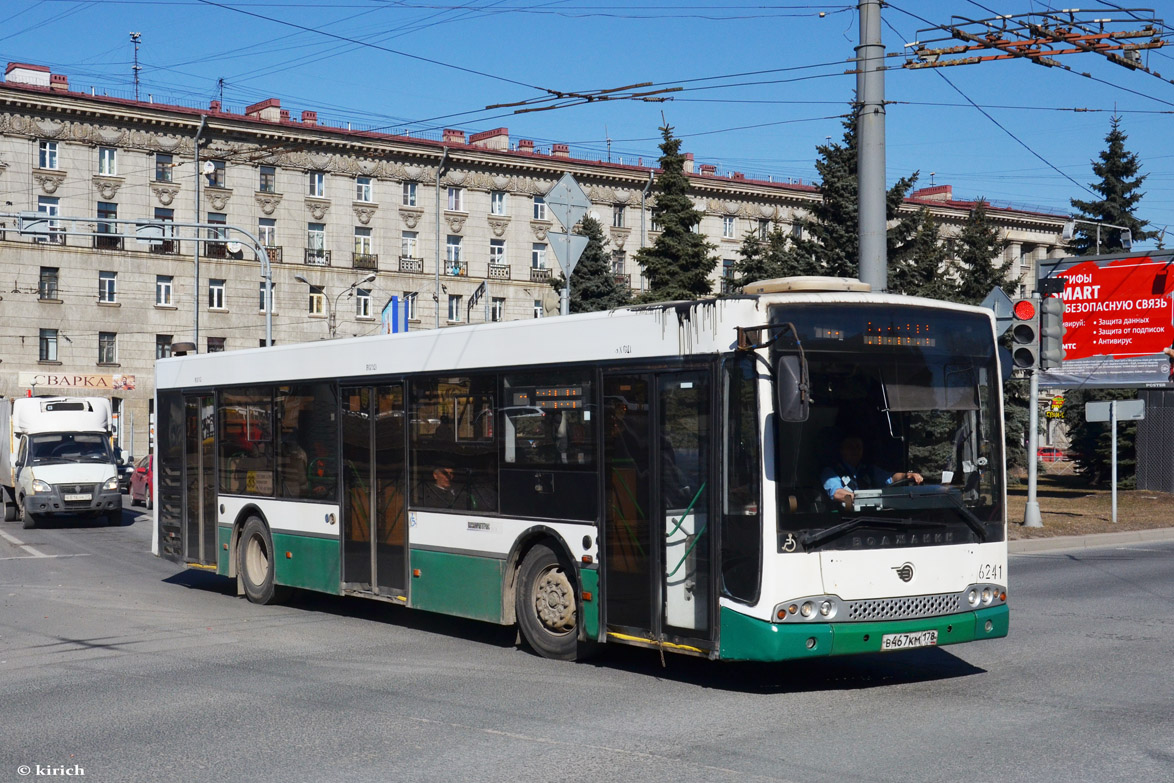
{"x": 545, "y": 602}
{"x": 255, "y": 563}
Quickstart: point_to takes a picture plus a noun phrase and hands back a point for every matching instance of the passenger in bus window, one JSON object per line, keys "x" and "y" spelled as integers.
{"x": 842, "y": 480}
{"x": 441, "y": 490}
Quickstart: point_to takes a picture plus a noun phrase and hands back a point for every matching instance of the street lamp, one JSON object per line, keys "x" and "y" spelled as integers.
{"x": 1126, "y": 234}
{"x": 332, "y": 308}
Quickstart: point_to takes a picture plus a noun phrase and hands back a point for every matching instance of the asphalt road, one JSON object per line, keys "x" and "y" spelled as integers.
{"x": 116, "y": 665}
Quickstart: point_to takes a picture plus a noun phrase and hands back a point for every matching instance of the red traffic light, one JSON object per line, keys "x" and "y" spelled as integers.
{"x": 1024, "y": 310}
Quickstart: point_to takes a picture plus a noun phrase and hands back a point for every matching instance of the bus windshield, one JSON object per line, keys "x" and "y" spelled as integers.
{"x": 902, "y": 444}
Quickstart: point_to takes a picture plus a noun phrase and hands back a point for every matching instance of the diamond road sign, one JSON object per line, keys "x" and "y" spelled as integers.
{"x": 567, "y": 201}
{"x": 560, "y": 246}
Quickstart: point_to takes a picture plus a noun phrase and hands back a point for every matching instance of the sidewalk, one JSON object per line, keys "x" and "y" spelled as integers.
{"x": 1060, "y": 543}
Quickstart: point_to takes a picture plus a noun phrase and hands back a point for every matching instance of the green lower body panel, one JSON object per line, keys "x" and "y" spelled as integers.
{"x": 589, "y": 583}
{"x": 223, "y": 549}
{"x": 460, "y": 585}
{"x": 307, "y": 562}
{"x": 747, "y": 639}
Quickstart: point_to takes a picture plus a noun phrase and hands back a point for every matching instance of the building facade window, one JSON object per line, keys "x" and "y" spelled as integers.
{"x": 216, "y": 344}
{"x": 410, "y": 303}
{"x": 267, "y": 231}
{"x": 107, "y": 211}
{"x": 107, "y": 348}
{"x": 108, "y": 287}
{"x": 317, "y": 186}
{"x": 48, "y": 288}
{"x": 618, "y": 262}
{"x": 454, "y": 308}
{"x": 497, "y": 308}
{"x": 763, "y": 228}
{"x": 409, "y": 197}
{"x": 407, "y": 244}
{"x": 538, "y": 310}
{"x": 364, "y": 245}
{"x": 218, "y": 219}
{"x": 362, "y": 303}
{"x": 317, "y": 304}
{"x": 497, "y": 251}
{"x": 727, "y": 227}
{"x": 364, "y": 190}
{"x": 215, "y": 294}
{"x": 164, "y": 167}
{"x": 47, "y": 345}
{"x": 316, "y": 241}
{"x": 47, "y": 157}
{"x": 497, "y": 202}
{"x": 51, "y": 206}
{"x": 456, "y": 199}
{"x": 162, "y": 346}
{"x": 617, "y": 215}
{"x": 108, "y": 161}
{"x": 163, "y": 284}
{"x": 217, "y": 179}
{"x": 727, "y": 275}
{"x": 538, "y": 255}
{"x": 539, "y": 208}
{"x": 452, "y": 250}
{"x": 267, "y": 179}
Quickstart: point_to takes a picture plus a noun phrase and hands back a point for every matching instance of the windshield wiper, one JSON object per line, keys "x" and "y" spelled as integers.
{"x": 813, "y": 540}
{"x": 973, "y": 522}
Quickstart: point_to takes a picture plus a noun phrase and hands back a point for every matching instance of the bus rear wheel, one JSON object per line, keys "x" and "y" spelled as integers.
{"x": 255, "y": 563}
{"x": 546, "y": 605}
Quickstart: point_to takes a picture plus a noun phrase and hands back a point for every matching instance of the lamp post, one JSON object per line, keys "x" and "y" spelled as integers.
{"x": 1126, "y": 233}
{"x": 331, "y": 309}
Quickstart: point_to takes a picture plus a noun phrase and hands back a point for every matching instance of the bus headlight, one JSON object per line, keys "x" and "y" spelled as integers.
{"x": 812, "y": 608}
{"x": 827, "y": 609}
{"x": 987, "y": 595}
{"x": 972, "y": 596}
{"x": 110, "y": 485}
{"x": 41, "y": 486}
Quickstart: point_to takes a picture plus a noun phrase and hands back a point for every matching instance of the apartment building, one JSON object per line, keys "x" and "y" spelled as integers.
{"x": 348, "y": 219}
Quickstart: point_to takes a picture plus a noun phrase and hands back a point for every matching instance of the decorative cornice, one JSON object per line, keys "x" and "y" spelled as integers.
{"x": 619, "y": 236}
{"x": 268, "y": 202}
{"x": 364, "y": 211}
{"x": 165, "y": 193}
{"x": 107, "y": 186}
{"x": 217, "y": 197}
{"x": 48, "y": 180}
{"x": 317, "y": 207}
{"x": 498, "y": 224}
{"x": 540, "y": 229}
{"x": 410, "y": 215}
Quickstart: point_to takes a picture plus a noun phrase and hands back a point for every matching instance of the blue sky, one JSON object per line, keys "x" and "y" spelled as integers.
{"x": 424, "y": 64}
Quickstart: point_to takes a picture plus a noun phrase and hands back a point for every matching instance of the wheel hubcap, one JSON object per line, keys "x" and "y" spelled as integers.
{"x": 554, "y": 601}
{"x": 257, "y": 561}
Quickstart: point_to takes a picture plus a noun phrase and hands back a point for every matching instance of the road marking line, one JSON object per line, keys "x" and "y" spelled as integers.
{"x": 11, "y": 539}
{"x": 38, "y": 557}
{"x": 17, "y": 542}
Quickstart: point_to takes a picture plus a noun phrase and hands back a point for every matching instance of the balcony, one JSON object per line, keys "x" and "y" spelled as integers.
{"x": 274, "y": 254}
{"x": 499, "y": 271}
{"x": 111, "y": 242}
{"x": 167, "y": 247}
{"x": 409, "y": 264}
{"x": 456, "y": 269}
{"x": 316, "y": 257}
{"x": 539, "y": 275}
{"x": 366, "y": 261}
{"x": 623, "y": 279}
{"x": 215, "y": 250}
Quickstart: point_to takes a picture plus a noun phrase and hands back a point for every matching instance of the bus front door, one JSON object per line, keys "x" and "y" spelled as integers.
{"x": 199, "y": 508}
{"x": 374, "y": 544}
{"x": 657, "y": 565}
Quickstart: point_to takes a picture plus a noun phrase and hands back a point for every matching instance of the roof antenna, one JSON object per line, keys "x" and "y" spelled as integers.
{"x": 608, "y": 138}
{"x": 135, "y": 39}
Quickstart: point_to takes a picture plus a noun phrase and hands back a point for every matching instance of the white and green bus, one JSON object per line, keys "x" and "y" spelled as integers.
{"x": 656, "y": 476}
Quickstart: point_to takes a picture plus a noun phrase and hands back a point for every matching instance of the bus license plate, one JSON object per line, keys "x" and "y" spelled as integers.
{"x": 68, "y": 498}
{"x": 905, "y": 641}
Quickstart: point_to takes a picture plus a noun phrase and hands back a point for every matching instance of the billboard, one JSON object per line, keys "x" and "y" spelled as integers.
{"x": 1118, "y": 321}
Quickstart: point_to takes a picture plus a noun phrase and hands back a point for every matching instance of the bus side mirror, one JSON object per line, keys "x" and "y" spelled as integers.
{"x": 792, "y": 388}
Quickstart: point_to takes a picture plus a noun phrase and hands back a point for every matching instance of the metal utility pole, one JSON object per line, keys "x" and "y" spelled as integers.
{"x": 196, "y": 245}
{"x": 439, "y": 174}
{"x": 1031, "y": 515}
{"x": 870, "y": 154}
{"x": 135, "y": 38}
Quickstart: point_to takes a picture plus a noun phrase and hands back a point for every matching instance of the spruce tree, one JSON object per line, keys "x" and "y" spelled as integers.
{"x": 678, "y": 264}
{"x": 916, "y": 269}
{"x": 593, "y": 285}
{"x": 1118, "y": 185}
{"x": 978, "y": 265}
{"x": 764, "y": 259}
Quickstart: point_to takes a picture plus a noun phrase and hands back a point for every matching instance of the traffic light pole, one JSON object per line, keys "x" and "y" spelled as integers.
{"x": 1031, "y": 517}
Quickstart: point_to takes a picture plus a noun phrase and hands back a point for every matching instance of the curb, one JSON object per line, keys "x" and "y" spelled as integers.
{"x": 1091, "y": 541}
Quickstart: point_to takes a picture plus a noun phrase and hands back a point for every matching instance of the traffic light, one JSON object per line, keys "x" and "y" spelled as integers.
{"x": 1025, "y": 335}
{"x": 1051, "y": 333}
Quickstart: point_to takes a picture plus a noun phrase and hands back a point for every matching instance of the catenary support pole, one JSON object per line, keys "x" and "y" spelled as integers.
{"x": 196, "y": 245}
{"x": 870, "y": 138}
{"x": 1113, "y": 435}
{"x": 1031, "y": 516}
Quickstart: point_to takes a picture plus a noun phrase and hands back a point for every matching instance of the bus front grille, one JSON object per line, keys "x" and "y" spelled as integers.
{"x": 908, "y": 608}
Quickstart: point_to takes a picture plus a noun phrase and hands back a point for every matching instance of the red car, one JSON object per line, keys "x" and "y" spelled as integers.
{"x": 140, "y": 482}
{"x": 1050, "y": 454}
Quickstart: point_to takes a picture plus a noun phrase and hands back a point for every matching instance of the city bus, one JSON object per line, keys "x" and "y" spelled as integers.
{"x": 656, "y": 475}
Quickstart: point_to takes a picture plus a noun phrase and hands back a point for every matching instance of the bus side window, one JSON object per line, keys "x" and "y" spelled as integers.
{"x": 741, "y": 527}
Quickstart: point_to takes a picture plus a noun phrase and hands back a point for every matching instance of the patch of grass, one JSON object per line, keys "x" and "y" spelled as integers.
{"x": 1069, "y": 507}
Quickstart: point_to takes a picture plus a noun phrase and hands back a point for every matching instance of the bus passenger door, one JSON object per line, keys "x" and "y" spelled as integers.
{"x": 374, "y": 545}
{"x": 658, "y": 583}
{"x": 199, "y": 513}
